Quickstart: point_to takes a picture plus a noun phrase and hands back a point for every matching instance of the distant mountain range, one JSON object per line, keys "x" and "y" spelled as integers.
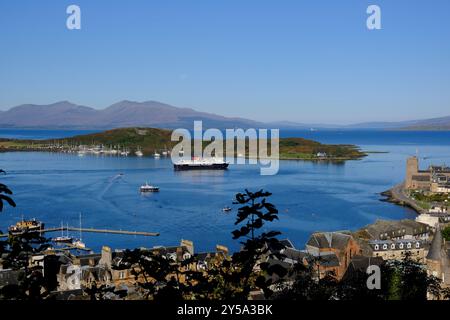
{"x": 66, "y": 115}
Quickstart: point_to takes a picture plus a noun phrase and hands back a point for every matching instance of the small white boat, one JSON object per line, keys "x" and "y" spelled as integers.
{"x": 79, "y": 244}
{"x": 157, "y": 155}
{"x": 226, "y": 209}
{"x": 139, "y": 153}
{"x": 148, "y": 188}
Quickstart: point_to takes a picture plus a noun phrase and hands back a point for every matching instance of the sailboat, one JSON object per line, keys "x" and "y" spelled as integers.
{"x": 139, "y": 152}
{"x": 63, "y": 238}
{"x": 79, "y": 243}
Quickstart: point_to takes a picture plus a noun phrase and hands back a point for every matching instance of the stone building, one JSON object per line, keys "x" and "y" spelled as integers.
{"x": 395, "y": 230}
{"x": 435, "y": 178}
{"x": 332, "y": 251}
{"x": 398, "y": 249}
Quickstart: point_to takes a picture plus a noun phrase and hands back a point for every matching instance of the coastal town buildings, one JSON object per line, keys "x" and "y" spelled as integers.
{"x": 332, "y": 251}
{"x": 337, "y": 254}
{"x": 398, "y": 249}
{"x": 395, "y": 230}
{"x": 432, "y": 219}
{"x": 435, "y": 179}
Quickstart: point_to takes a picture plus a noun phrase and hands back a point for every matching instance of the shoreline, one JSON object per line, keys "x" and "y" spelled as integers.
{"x": 337, "y": 160}
{"x": 396, "y": 196}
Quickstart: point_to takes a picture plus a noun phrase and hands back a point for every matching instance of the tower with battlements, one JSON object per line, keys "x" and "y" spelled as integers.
{"x": 412, "y": 168}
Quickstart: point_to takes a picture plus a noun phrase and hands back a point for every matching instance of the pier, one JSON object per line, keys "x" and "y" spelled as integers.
{"x": 92, "y": 230}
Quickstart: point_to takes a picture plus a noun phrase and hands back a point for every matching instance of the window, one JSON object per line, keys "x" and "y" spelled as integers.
{"x": 409, "y": 245}
{"x": 393, "y": 246}
{"x": 384, "y": 246}
{"x": 186, "y": 256}
{"x": 417, "y": 244}
{"x": 377, "y": 247}
{"x": 401, "y": 245}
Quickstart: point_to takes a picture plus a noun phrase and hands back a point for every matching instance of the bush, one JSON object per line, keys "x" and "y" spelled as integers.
{"x": 446, "y": 233}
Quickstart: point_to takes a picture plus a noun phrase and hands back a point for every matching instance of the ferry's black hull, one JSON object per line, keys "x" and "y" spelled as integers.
{"x": 214, "y": 166}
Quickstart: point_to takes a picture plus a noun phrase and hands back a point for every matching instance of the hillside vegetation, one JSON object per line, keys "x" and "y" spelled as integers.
{"x": 150, "y": 140}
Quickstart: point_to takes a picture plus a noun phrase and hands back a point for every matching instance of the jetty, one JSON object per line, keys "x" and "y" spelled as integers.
{"x": 93, "y": 230}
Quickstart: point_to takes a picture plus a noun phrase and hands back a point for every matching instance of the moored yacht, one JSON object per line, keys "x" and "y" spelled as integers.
{"x": 63, "y": 238}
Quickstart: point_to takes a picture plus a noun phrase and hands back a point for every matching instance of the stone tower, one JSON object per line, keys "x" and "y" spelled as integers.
{"x": 412, "y": 168}
{"x": 106, "y": 258}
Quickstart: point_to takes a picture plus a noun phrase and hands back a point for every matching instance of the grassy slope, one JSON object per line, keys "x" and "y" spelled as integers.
{"x": 149, "y": 140}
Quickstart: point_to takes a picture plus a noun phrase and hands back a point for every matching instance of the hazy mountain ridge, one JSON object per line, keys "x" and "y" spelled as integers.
{"x": 67, "y": 115}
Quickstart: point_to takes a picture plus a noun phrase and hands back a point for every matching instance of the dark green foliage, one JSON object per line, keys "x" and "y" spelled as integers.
{"x": 408, "y": 280}
{"x": 257, "y": 247}
{"x": 446, "y": 233}
{"x": 160, "y": 278}
{"x": 5, "y": 193}
{"x": 306, "y": 286}
{"x": 17, "y": 251}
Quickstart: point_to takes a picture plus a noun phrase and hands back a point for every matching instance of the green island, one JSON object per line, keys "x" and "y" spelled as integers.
{"x": 151, "y": 140}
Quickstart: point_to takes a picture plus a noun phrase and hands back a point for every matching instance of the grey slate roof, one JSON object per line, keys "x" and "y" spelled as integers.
{"x": 293, "y": 255}
{"x": 436, "y": 246}
{"x": 387, "y": 228}
{"x": 324, "y": 240}
{"x": 361, "y": 263}
{"x": 328, "y": 260}
{"x": 287, "y": 243}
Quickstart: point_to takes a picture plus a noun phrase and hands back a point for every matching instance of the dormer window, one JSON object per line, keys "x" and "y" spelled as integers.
{"x": 417, "y": 244}
{"x": 393, "y": 246}
{"x": 385, "y": 246}
{"x": 186, "y": 256}
{"x": 409, "y": 245}
{"x": 401, "y": 245}
{"x": 377, "y": 247}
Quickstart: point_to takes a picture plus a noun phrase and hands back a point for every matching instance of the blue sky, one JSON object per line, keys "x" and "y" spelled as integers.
{"x": 305, "y": 61}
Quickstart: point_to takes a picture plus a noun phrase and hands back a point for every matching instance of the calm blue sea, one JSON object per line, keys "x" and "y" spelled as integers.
{"x": 311, "y": 197}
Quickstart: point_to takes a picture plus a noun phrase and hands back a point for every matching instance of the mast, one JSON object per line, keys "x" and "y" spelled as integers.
{"x": 80, "y": 226}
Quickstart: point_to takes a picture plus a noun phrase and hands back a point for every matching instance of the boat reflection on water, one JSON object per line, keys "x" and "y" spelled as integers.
{"x": 204, "y": 176}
